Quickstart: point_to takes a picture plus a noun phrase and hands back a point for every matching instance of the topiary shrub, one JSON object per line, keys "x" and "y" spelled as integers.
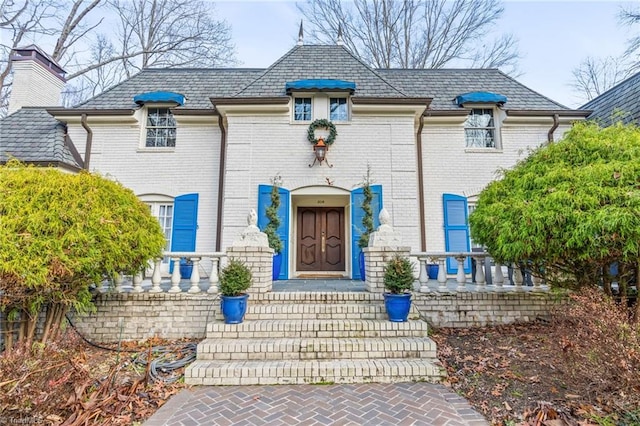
{"x": 235, "y": 278}
{"x": 398, "y": 275}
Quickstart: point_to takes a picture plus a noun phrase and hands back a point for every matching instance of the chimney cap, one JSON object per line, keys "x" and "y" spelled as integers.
{"x": 33, "y": 52}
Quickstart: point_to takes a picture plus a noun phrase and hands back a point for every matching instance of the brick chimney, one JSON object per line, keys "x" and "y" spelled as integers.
{"x": 37, "y": 79}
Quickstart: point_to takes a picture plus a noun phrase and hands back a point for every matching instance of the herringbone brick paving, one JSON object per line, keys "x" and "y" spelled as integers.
{"x": 400, "y": 404}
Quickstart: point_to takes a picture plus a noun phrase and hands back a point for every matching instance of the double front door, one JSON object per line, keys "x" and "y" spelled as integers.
{"x": 321, "y": 239}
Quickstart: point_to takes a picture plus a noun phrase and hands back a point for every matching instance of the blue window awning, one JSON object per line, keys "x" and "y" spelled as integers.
{"x": 480, "y": 98}
{"x": 320, "y": 84}
{"x": 149, "y": 97}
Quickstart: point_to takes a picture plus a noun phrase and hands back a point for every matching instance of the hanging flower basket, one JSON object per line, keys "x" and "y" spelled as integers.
{"x": 322, "y": 123}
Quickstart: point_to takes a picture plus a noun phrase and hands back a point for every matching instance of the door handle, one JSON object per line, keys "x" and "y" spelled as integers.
{"x": 323, "y": 243}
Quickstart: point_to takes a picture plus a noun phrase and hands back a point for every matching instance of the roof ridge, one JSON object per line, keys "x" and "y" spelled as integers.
{"x": 101, "y": 94}
{"x": 373, "y": 70}
{"x": 607, "y": 92}
{"x": 286, "y": 55}
{"x": 534, "y": 91}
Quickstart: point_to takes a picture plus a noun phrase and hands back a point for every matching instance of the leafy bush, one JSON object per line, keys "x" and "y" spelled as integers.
{"x": 570, "y": 209}
{"x": 398, "y": 275}
{"x": 599, "y": 337}
{"x": 367, "y": 217}
{"x": 60, "y": 233}
{"x": 235, "y": 278}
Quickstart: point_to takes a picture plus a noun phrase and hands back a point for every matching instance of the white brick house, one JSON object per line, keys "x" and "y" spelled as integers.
{"x": 202, "y": 147}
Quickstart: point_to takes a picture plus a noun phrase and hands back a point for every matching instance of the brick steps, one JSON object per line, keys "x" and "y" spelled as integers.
{"x": 203, "y": 372}
{"x": 295, "y": 311}
{"x": 301, "y": 348}
{"x": 314, "y": 337}
{"x": 329, "y": 328}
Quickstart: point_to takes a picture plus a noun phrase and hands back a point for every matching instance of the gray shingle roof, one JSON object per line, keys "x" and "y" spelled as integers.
{"x": 621, "y": 102}
{"x": 320, "y": 62}
{"x": 197, "y": 85}
{"x": 443, "y": 85}
{"x": 32, "y": 135}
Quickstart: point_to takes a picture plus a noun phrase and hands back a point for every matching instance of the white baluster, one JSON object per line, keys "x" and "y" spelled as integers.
{"x": 175, "y": 276}
{"x": 156, "y": 277}
{"x": 137, "y": 282}
{"x": 537, "y": 281}
{"x": 423, "y": 278}
{"x": 517, "y": 278}
{"x": 213, "y": 276}
{"x": 461, "y": 278}
{"x": 195, "y": 276}
{"x": 442, "y": 275}
{"x": 498, "y": 278}
{"x": 118, "y": 280}
{"x": 480, "y": 278}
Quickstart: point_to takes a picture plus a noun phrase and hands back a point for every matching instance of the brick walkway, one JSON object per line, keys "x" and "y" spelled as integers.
{"x": 361, "y": 404}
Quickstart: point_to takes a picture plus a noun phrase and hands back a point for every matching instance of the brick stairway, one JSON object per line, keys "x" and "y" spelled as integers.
{"x": 314, "y": 337}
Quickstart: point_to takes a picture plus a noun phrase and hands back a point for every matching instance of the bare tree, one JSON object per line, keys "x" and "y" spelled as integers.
{"x": 159, "y": 33}
{"x": 414, "y": 33}
{"x": 594, "y": 76}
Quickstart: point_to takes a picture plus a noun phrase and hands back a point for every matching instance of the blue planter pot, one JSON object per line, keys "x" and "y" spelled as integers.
{"x": 233, "y": 308}
{"x": 361, "y": 265}
{"x": 398, "y": 306}
{"x": 432, "y": 271}
{"x": 277, "y": 265}
{"x": 185, "y": 270}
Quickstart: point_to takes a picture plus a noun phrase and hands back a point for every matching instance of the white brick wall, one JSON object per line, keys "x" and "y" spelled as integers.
{"x": 33, "y": 85}
{"x": 450, "y": 168}
{"x": 259, "y": 147}
{"x": 192, "y": 167}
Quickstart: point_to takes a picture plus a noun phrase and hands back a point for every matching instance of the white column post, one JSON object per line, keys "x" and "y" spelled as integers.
{"x": 213, "y": 276}
{"x": 498, "y": 278}
{"x": 461, "y": 278}
{"x": 442, "y": 275}
{"x": 118, "y": 280}
{"x": 175, "y": 276}
{"x": 195, "y": 276}
{"x": 423, "y": 277}
{"x": 137, "y": 282}
{"x": 156, "y": 277}
{"x": 537, "y": 281}
{"x": 517, "y": 278}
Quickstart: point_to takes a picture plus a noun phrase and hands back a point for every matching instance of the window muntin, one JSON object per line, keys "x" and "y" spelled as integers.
{"x": 480, "y": 131}
{"x": 161, "y": 128}
{"x": 302, "y": 109}
{"x": 338, "y": 109}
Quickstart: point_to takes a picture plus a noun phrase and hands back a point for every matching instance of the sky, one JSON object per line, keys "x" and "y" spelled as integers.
{"x": 554, "y": 36}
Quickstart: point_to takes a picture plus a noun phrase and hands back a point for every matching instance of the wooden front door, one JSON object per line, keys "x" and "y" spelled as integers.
{"x": 320, "y": 239}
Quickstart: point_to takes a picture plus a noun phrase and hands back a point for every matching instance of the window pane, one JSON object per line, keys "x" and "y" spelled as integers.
{"x": 302, "y": 109}
{"x": 338, "y": 109}
{"x": 161, "y": 128}
{"x": 480, "y": 129}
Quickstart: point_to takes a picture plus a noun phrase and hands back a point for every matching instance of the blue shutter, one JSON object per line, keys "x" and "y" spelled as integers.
{"x": 456, "y": 229}
{"x": 357, "y": 213}
{"x": 264, "y": 201}
{"x": 185, "y": 224}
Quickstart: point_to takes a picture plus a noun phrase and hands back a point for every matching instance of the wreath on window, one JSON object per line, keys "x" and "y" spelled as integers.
{"x": 322, "y": 123}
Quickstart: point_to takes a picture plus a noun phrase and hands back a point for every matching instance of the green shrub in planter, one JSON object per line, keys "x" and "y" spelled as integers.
{"x": 235, "y": 278}
{"x": 398, "y": 275}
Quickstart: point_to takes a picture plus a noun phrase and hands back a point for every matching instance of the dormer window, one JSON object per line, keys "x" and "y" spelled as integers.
{"x": 480, "y": 130}
{"x": 161, "y": 128}
{"x": 302, "y": 109}
{"x": 338, "y": 109}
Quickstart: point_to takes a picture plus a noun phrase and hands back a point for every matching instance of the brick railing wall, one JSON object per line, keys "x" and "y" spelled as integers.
{"x": 180, "y": 315}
